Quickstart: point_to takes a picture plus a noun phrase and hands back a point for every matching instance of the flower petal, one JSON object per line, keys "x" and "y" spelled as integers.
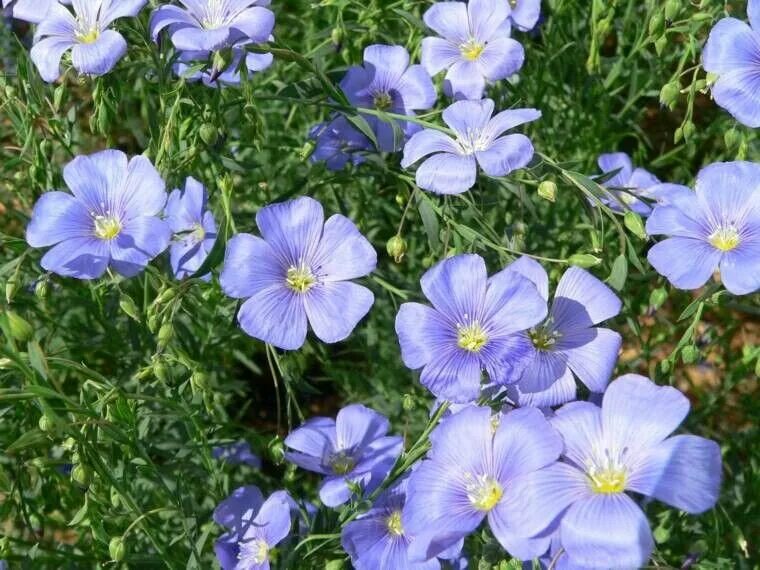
{"x": 250, "y": 267}
{"x": 509, "y": 119}
{"x": 687, "y": 263}
{"x": 737, "y": 93}
{"x": 140, "y": 240}
{"x": 524, "y": 442}
{"x": 464, "y": 81}
{"x": 543, "y": 370}
{"x": 334, "y": 309}
{"x": 167, "y": 15}
{"x": 457, "y": 286}
{"x": 449, "y": 20}
{"x": 438, "y": 54}
{"x": 501, "y": 58}
{"x": 100, "y": 56}
{"x": 453, "y": 375}
{"x": 343, "y": 252}
{"x": 425, "y": 142}
{"x": 740, "y": 268}
{"x": 197, "y": 39}
{"x": 582, "y": 300}
{"x": 447, "y": 173}
{"x": 312, "y": 443}
{"x": 255, "y": 23}
{"x": 82, "y": 258}
{"x": 580, "y": 425}
{"x": 357, "y": 426}
{"x": 416, "y": 89}
{"x": 273, "y": 519}
{"x": 731, "y": 46}
{"x": 275, "y": 315}
{"x": 729, "y": 192}
{"x": 637, "y": 413}
{"x": 683, "y": 219}
{"x": 46, "y": 55}
{"x": 513, "y": 541}
{"x": 466, "y": 117}
{"x": 486, "y": 16}
{"x": 386, "y": 65}
{"x": 505, "y": 155}
{"x": 532, "y": 269}
{"x": 512, "y": 304}
{"x": 237, "y": 511}
{"x": 616, "y": 161}
{"x": 422, "y": 333}
{"x": 112, "y": 10}
{"x": 57, "y": 216}
{"x": 292, "y": 228}
{"x": 525, "y": 14}
{"x": 607, "y": 531}
{"x": 563, "y": 390}
{"x": 594, "y": 360}
{"x": 143, "y": 193}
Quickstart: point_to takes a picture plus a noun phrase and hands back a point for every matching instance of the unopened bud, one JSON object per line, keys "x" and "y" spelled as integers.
{"x": 306, "y": 150}
{"x": 336, "y": 37}
{"x": 689, "y": 129}
{"x": 41, "y": 289}
{"x": 81, "y": 475}
{"x": 548, "y": 190}
{"x": 584, "y": 260}
{"x": 165, "y": 334}
{"x": 199, "y": 381}
{"x": 46, "y": 424}
{"x": 689, "y": 354}
{"x": 396, "y": 248}
{"x": 669, "y": 94}
{"x": 160, "y": 371}
{"x": 634, "y": 223}
{"x": 657, "y": 23}
{"x": 20, "y": 329}
{"x": 209, "y": 134}
{"x": 657, "y": 297}
{"x": 116, "y": 549}
{"x": 672, "y": 9}
{"x": 129, "y": 306}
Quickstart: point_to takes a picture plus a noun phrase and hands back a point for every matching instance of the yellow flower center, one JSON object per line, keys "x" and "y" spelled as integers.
{"x": 107, "y": 227}
{"x": 725, "y": 239}
{"x": 607, "y": 482}
{"x": 342, "y": 463}
{"x": 471, "y": 50}
{"x": 471, "y": 337}
{"x": 89, "y": 36}
{"x": 300, "y": 279}
{"x": 484, "y": 492}
{"x": 256, "y": 551}
{"x": 393, "y": 523}
{"x": 383, "y": 101}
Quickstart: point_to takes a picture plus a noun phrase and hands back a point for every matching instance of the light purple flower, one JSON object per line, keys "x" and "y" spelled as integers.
{"x": 377, "y": 540}
{"x": 33, "y": 11}
{"x": 255, "y": 527}
{"x": 622, "y": 446}
{"x": 236, "y": 454}
{"x": 470, "y": 327}
{"x": 387, "y": 82}
{"x": 716, "y": 227}
{"x": 568, "y": 343}
{"x": 732, "y": 52}
{"x": 525, "y": 13}
{"x": 212, "y": 25}
{"x": 110, "y": 221}
{"x": 453, "y": 166}
{"x": 299, "y": 272}
{"x": 474, "y": 46}
{"x": 352, "y": 448}
{"x": 338, "y": 143}
{"x": 193, "y": 226}
{"x": 229, "y": 76}
{"x": 468, "y": 477}
{"x": 95, "y": 49}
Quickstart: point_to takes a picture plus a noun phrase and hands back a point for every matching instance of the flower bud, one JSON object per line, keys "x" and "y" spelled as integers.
{"x": 689, "y": 354}
{"x": 657, "y": 297}
{"x": 669, "y": 94}
{"x": 165, "y": 296}
{"x": 584, "y": 260}
{"x": 81, "y": 475}
{"x": 407, "y": 403}
{"x": 209, "y": 134}
{"x": 129, "y": 307}
{"x": 657, "y": 24}
{"x": 336, "y": 37}
{"x": 20, "y": 329}
{"x": 548, "y": 190}
{"x": 634, "y": 223}
{"x": 116, "y": 549}
{"x": 46, "y": 423}
{"x": 11, "y": 286}
{"x": 199, "y": 381}
{"x": 396, "y": 248}
{"x": 660, "y": 44}
{"x": 672, "y": 9}
{"x": 688, "y": 130}
{"x": 160, "y": 371}
{"x": 165, "y": 334}
{"x": 306, "y": 150}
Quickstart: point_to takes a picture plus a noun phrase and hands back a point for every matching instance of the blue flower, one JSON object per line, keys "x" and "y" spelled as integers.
{"x": 229, "y": 76}
{"x": 732, "y": 52}
{"x": 111, "y": 220}
{"x": 255, "y": 527}
{"x": 525, "y": 14}
{"x": 453, "y": 166}
{"x": 470, "y": 327}
{"x": 338, "y": 143}
{"x": 567, "y": 342}
{"x": 377, "y": 540}
{"x": 474, "y": 46}
{"x": 236, "y": 454}
{"x": 624, "y": 446}
{"x": 352, "y": 448}
{"x": 300, "y": 271}
{"x": 212, "y": 25}
{"x": 194, "y": 228}
{"x": 468, "y": 477}
{"x": 716, "y": 227}
{"x": 387, "y": 82}
{"x": 95, "y": 49}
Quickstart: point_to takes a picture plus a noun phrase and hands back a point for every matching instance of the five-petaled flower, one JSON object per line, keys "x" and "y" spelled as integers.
{"x": 470, "y": 327}
{"x": 299, "y": 272}
{"x": 452, "y": 168}
{"x": 111, "y": 220}
{"x": 622, "y": 446}
{"x": 352, "y": 449}
{"x": 716, "y": 227}
{"x": 387, "y": 82}
{"x": 95, "y": 49}
{"x": 474, "y": 46}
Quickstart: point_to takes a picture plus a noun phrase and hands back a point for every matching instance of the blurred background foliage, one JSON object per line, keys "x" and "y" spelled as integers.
{"x": 113, "y": 392}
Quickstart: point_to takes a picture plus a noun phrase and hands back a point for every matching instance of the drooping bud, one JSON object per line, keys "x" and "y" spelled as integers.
{"x": 165, "y": 334}
{"x": 669, "y": 94}
{"x": 20, "y": 329}
{"x": 81, "y": 475}
{"x": 548, "y": 190}
{"x": 396, "y": 248}
{"x": 129, "y": 306}
{"x": 584, "y": 260}
{"x": 116, "y": 549}
{"x": 209, "y": 134}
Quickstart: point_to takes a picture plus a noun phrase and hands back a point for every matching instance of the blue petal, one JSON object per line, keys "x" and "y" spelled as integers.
{"x": 505, "y": 155}
{"x": 616, "y": 161}
{"x": 237, "y": 511}
{"x": 46, "y": 55}
{"x": 524, "y": 442}
{"x": 580, "y": 425}
{"x": 357, "y": 426}
{"x": 334, "y": 309}
{"x": 273, "y": 519}
{"x": 422, "y": 333}
{"x": 275, "y": 315}
{"x": 582, "y": 300}
{"x": 438, "y": 54}
{"x": 486, "y": 16}
{"x": 740, "y": 268}
{"x": 100, "y": 56}
{"x": 465, "y": 81}
{"x": 250, "y": 266}
{"x": 343, "y": 253}
{"x": 425, "y": 142}
{"x": 255, "y": 23}
{"x": 447, "y": 173}
{"x": 140, "y": 240}
{"x": 449, "y": 20}
{"x": 457, "y": 287}
{"x": 82, "y": 257}
{"x": 594, "y": 360}
{"x": 292, "y": 228}
{"x": 501, "y": 58}
{"x": 687, "y": 263}
{"x": 532, "y": 269}
{"x": 416, "y": 89}
{"x": 57, "y": 216}
{"x": 512, "y": 304}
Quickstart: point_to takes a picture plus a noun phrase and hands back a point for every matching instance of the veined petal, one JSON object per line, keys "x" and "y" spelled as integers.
{"x": 237, "y": 511}
{"x": 616, "y": 161}
{"x": 100, "y": 56}
{"x": 416, "y": 89}
{"x": 729, "y": 192}
{"x": 447, "y": 173}
{"x": 425, "y": 142}
{"x": 256, "y": 23}
{"x": 687, "y": 263}
{"x": 505, "y": 155}
{"x": 544, "y": 369}
{"x": 453, "y": 375}
{"x": 168, "y": 15}
{"x": 532, "y": 269}
{"x": 594, "y": 360}
{"x": 422, "y": 333}
{"x": 563, "y": 390}
{"x": 513, "y": 541}
{"x": 607, "y": 531}
{"x": 449, "y": 20}
{"x": 464, "y": 81}
{"x": 582, "y": 300}
{"x": 335, "y": 308}
{"x": 740, "y": 268}
{"x": 509, "y": 119}
{"x": 753, "y": 12}
{"x": 250, "y": 267}
{"x": 82, "y": 258}
{"x": 438, "y": 54}
{"x": 386, "y": 65}
{"x": 731, "y": 46}
{"x": 525, "y": 14}
{"x": 143, "y": 192}
{"x": 737, "y": 93}
{"x": 501, "y": 58}
{"x": 57, "y": 216}
{"x": 46, "y": 55}
{"x": 457, "y": 287}
{"x": 140, "y": 240}
{"x": 524, "y": 442}
{"x": 114, "y": 9}
{"x": 486, "y": 16}
{"x": 512, "y": 304}
{"x": 682, "y": 219}
{"x": 54, "y": 19}
{"x": 274, "y": 517}
{"x": 88, "y": 183}
{"x": 343, "y": 252}
{"x": 292, "y": 228}
{"x": 196, "y": 39}
{"x": 357, "y": 426}
{"x": 275, "y": 315}
{"x": 580, "y": 425}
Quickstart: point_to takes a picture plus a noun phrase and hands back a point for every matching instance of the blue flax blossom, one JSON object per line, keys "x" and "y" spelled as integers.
{"x": 299, "y": 272}
{"x": 194, "y": 228}
{"x": 212, "y": 25}
{"x": 453, "y": 166}
{"x": 732, "y": 52}
{"x": 467, "y": 477}
{"x": 229, "y": 76}
{"x": 337, "y": 143}
{"x": 568, "y": 342}
{"x": 716, "y": 227}
{"x": 387, "y": 82}
{"x": 377, "y": 540}
{"x": 524, "y": 14}
{"x": 470, "y": 327}
{"x": 111, "y": 220}
{"x": 624, "y": 446}
{"x": 95, "y": 49}
{"x": 474, "y": 46}
{"x": 236, "y": 454}
{"x": 255, "y": 527}
{"x": 353, "y": 448}
{"x": 33, "y": 11}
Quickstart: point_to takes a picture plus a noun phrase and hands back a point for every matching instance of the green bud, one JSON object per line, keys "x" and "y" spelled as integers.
{"x": 11, "y": 286}
{"x": 20, "y": 329}
{"x": 400, "y": 200}
{"x": 396, "y": 248}
{"x": 407, "y": 403}
{"x": 584, "y": 260}
{"x": 199, "y": 381}
{"x": 428, "y": 261}
{"x": 58, "y": 95}
{"x": 41, "y": 289}
{"x": 306, "y": 150}
{"x": 657, "y": 24}
{"x": 115, "y": 498}
{"x": 711, "y": 78}
{"x": 46, "y": 423}
{"x": 209, "y": 134}
{"x": 548, "y": 190}
{"x": 732, "y": 138}
{"x": 276, "y": 450}
{"x": 116, "y": 549}
{"x": 689, "y": 354}
{"x": 165, "y": 334}
{"x": 160, "y": 371}
{"x": 5, "y": 546}
{"x": 757, "y": 367}
{"x": 672, "y": 9}
{"x": 633, "y": 222}
{"x": 669, "y": 94}
{"x": 129, "y": 307}
{"x": 154, "y": 322}
{"x": 166, "y": 296}
{"x": 81, "y": 475}
{"x": 336, "y": 37}
{"x": 702, "y": 16}
{"x": 689, "y": 129}
{"x": 678, "y": 135}
{"x": 221, "y": 61}
{"x": 660, "y": 44}
{"x": 700, "y": 85}
{"x": 657, "y": 297}
{"x": 665, "y": 366}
